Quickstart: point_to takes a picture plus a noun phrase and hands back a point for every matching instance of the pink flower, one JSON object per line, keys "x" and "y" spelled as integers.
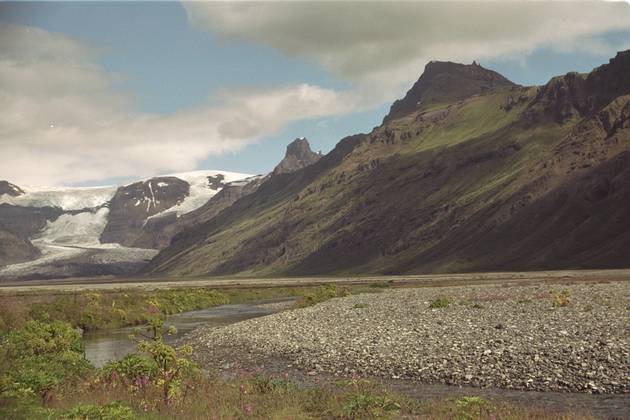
{"x": 249, "y": 410}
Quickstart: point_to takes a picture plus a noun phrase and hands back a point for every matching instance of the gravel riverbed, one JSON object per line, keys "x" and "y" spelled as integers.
{"x": 488, "y": 336}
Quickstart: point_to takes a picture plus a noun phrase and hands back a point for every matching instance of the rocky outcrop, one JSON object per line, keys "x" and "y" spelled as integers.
{"x": 27, "y": 222}
{"x": 134, "y": 203}
{"x": 576, "y": 95}
{"x": 447, "y": 82}
{"x": 14, "y": 249}
{"x": 158, "y": 231}
{"x": 297, "y": 156}
{"x": 10, "y": 189}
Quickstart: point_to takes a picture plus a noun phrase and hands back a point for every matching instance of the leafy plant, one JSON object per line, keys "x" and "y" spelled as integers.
{"x": 561, "y": 299}
{"x": 321, "y": 294}
{"x": 40, "y": 356}
{"x": 439, "y": 303}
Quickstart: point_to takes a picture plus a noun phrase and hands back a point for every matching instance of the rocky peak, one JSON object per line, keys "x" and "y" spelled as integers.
{"x": 133, "y": 203}
{"x": 10, "y": 189}
{"x": 578, "y": 95}
{"x": 447, "y": 81}
{"x": 297, "y": 156}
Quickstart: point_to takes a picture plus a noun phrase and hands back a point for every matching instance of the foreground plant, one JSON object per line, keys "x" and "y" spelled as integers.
{"x": 39, "y": 357}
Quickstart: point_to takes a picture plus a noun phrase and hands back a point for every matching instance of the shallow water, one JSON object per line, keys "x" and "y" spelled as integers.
{"x": 107, "y": 345}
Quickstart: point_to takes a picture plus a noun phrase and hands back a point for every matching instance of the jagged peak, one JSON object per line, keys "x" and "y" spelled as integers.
{"x": 298, "y": 155}
{"x": 447, "y": 81}
{"x": 577, "y": 94}
{"x": 10, "y": 189}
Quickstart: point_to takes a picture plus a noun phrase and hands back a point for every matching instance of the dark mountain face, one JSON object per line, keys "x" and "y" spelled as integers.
{"x": 14, "y": 249}
{"x": 158, "y": 232}
{"x": 134, "y": 203}
{"x": 10, "y": 189}
{"x": 507, "y": 177}
{"x": 298, "y": 156}
{"x": 26, "y": 222}
{"x": 447, "y": 82}
{"x": 577, "y": 95}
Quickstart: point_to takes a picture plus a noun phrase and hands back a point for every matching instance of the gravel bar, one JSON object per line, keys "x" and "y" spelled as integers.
{"x": 511, "y": 337}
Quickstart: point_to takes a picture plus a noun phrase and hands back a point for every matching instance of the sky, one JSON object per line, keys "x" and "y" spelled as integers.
{"x": 98, "y": 93}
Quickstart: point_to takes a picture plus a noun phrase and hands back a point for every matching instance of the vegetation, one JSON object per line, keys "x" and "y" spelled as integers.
{"x": 560, "y": 299}
{"x": 43, "y": 374}
{"x": 321, "y": 294}
{"x": 439, "y": 303}
{"x": 113, "y": 309}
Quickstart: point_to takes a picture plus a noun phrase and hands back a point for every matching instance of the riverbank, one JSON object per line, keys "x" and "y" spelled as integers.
{"x": 561, "y": 338}
{"x": 97, "y": 310}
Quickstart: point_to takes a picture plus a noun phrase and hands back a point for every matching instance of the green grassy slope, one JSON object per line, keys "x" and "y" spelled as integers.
{"x": 502, "y": 179}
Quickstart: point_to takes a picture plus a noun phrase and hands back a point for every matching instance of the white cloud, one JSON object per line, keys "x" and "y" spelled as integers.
{"x": 383, "y": 46}
{"x": 63, "y": 121}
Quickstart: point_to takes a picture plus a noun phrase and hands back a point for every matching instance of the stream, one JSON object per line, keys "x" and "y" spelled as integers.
{"x": 104, "y": 346}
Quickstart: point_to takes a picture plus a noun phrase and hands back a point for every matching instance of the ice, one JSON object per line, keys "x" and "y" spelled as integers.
{"x": 63, "y": 197}
{"x": 200, "y": 192}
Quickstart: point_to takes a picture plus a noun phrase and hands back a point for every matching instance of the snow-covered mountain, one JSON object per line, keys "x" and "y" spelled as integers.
{"x": 99, "y": 230}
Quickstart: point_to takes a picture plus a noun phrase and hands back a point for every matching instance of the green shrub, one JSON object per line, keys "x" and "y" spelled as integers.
{"x": 321, "y": 294}
{"x": 39, "y": 357}
{"x": 360, "y": 305}
{"x": 438, "y": 303}
{"x": 561, "y": 299}
{"x": 131, "y": 367}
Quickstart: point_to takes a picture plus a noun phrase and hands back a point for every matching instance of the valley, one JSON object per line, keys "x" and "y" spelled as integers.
{"x": 474, "y": 244}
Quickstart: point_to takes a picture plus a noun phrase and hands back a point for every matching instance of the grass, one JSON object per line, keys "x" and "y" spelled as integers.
{"x": 56, "y": 387}
{"x": 114, "y": 309}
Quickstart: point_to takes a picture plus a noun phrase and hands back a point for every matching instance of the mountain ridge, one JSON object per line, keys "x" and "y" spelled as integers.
{"x": 433, "y": 185}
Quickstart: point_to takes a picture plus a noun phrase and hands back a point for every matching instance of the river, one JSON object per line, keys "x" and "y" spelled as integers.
{"x": 108, "y": 345}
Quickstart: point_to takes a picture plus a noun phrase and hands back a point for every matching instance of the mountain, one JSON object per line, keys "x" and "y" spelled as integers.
{"x": 468, "y": 172}
{"x": 160, "y": 230}
{"x": 298, "y": 155}
{"x": 13, "y": 249}
{"x": 60, "y": 232}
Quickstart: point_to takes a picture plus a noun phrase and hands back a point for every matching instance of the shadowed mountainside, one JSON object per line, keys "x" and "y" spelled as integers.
{"x": 468, "y": 172}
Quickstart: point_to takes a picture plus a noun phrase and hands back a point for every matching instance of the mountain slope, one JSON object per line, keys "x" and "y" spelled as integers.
{"x": 60, "y": 232}
{"x": 14, "y": 249}
{"x": 473, "y": 174}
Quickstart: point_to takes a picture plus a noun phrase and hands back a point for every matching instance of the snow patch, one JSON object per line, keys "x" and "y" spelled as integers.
{"x": 200, "y": 191}
{"x": 84, "y": 228}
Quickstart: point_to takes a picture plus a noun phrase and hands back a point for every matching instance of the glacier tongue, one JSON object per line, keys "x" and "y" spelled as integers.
{"x": 83, "y": 228}
{"x": 65, "y": 198}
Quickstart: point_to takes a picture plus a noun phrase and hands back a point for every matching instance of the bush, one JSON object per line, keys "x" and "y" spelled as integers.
{"x": 130, "y": 368}
{"x": 560, "y": 299}
{"x": 321, "y": 294}
{"x": 439, "y": 303}
{"x": 39, "y": 357}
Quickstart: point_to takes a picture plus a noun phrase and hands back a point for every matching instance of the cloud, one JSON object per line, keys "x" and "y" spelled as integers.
{"x": 383, "y": 46}
{"x": 64, "y": 121}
